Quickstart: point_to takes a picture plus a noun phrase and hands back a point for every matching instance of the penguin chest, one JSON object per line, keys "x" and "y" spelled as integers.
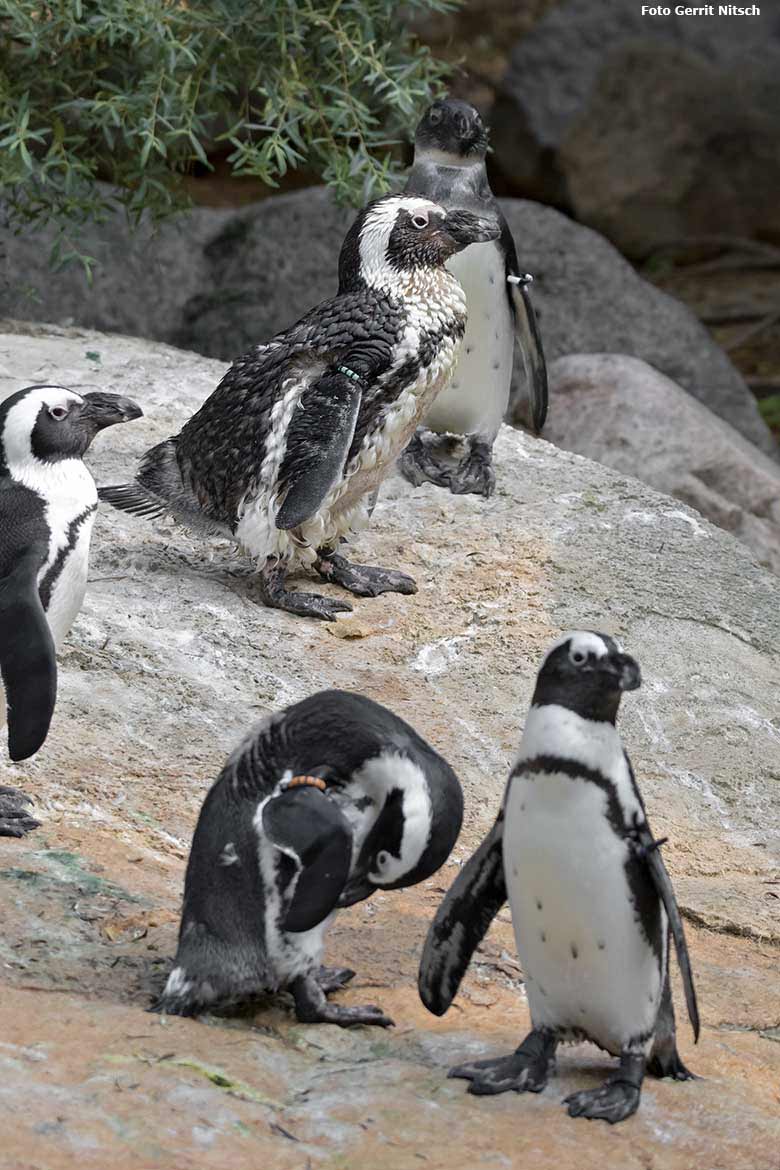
{"x": 71, "y": 502}
{"x": 476, "y": 399}
{"x": 590, "y": 969}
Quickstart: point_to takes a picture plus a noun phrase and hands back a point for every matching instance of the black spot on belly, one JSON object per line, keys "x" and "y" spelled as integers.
{"x": 574, "y": 951}
{"x": 538, "y": 904}
{"x": 496, "y": 365}
{"x": 514, "y": 871}
{"x": 469, "y": 348}
{"x": 492, "y": 279}
{"x": 542, "y": 936}
{"x": 602, "y": 946}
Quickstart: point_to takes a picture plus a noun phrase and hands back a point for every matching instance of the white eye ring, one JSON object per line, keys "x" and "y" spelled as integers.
{"x": 59, "y": 412}
{"x": 420, "y": 220}
{"x": 382, "y": 859}
{"x": 578, "y": 657}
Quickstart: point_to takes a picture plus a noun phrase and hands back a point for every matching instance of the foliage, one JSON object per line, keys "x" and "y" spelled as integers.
{"x": 137, "y": 92}
{"x": 770, "y": 410}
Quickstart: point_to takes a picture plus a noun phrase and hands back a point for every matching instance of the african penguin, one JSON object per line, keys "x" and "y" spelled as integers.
{"x": 449, "y": 167}
{"x": 287, "y": 454}
{"x": 48, "y": 501}
{"x": 592, "y": 904}
{"x": 321, "y": 805}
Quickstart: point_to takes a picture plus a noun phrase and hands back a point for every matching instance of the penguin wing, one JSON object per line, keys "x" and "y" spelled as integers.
{"x": 27, "y": 656}
{"x": 649, "y": 850}
{"x": 526, "y": 332}
{"x": 462, "y": 921}
{"x": 318, "y": 442}
{"x": 307, "y": 827}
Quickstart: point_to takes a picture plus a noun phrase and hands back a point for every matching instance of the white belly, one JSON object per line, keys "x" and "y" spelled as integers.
{"x": 475, "y": 402}
{"x": 588, "y": 966}
{"x": 68, "y": 592}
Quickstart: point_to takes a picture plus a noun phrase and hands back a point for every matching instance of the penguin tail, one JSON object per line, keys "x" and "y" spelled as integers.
{"x": 132, "y": 497}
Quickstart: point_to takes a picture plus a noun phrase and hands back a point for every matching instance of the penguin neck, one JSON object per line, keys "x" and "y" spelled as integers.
{"x": 557, "y": 731}
{"x": 434, "y": 157}
{"x": 435, "y": 288}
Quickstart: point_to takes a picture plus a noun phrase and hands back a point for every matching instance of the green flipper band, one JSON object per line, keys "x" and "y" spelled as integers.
{"x": 345, "y": 370}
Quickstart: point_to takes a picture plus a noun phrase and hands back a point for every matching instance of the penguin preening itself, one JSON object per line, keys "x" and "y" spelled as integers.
{"x": 592, "y": 903}
{"x": 321, "y": 805}
{"x": 48, "y": 501}
{"x": 287, "y": 454}
{"x": 449, "y": 167}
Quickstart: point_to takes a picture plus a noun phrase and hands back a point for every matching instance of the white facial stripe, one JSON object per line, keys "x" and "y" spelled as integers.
{"x": 378, "y": 777}
{"x": 21, "y": 419}
{"x": 375, "y": 234}
{"x": 582, "y": 641}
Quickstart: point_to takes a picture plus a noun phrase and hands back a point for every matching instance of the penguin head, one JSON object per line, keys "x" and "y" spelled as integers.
{"x": 586, "y": 672}
{"x": 399, "y": 234}
{"x": 450, "y": 133}
{"x": 51, "y": 423}
{"x": 416, "y": 828}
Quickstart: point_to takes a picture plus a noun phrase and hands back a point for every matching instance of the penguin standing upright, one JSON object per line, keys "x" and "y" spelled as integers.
{"x": 449, "y": 167}
{"x": 321, "y": 805}
{"x": 48, "y": 501}
{"x": 288, "y": 453}
{"x": 592, "y": 904}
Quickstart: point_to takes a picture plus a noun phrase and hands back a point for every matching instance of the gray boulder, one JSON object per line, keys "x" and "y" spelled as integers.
{"x": 623, "y": 413}
{"x": 218, "y": 282}
{"x": 647, "y": 128}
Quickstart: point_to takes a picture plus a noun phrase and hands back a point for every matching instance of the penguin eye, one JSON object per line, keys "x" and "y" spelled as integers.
{"x": 420, "y": 220}
{"x": 59, "y": 412}
{"x": 578, "y": 657}
{"x": 435, "y": 116}
{"x": 382, "y": 859}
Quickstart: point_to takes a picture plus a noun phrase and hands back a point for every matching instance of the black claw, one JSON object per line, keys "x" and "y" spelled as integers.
{"x": 15, "y": 820}
{"x": 419, "y": 462}
{"x": 333, "y": 978}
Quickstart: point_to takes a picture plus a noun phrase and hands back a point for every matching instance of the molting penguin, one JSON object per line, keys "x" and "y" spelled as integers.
{"x": 287, "y": 454}
{"x": 592, "y": 904}
{"x": 449, "y": 167}
{"x": 47, "y": 506}
{"x": 321, "y": 805}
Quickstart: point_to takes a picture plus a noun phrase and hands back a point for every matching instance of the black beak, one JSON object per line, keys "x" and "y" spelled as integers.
{"x": 626, "y": 668}
{"x": 357, "y": 889}
{"x": 467, "y": 228}
{"x": 104, "y": 410}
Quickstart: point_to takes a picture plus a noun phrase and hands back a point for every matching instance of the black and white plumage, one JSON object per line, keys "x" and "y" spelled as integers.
{"x": 48, "y": 501}
{"x": 287, "y": 454}
{"x": 454, "y": 448}
{"x": 320, "y": 806}
{"x": 592, "y": 904}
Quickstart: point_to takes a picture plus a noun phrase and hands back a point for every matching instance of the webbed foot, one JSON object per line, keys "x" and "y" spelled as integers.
{"x": 273, "y": 594}
{"x": 311, "y": 1007}
{"x": 362, "y": 580}
{"x": 15, "y": 819}
{"x": 526, "y": 1070}
{"x": 616, "y": 1099}
{"x": 333, "y": 978}
{"x": 420, "y": 461}
{"x": 474, "y": 474}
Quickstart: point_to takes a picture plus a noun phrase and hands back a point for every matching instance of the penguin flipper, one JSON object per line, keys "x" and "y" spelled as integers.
{"x": 461, "y": 922}
{"x": 318, "y": 442}
{"x": 27, "y": 656}
{"x": 305, "y": 824}
{"x": 663, "y": 883}
{"x": 530, "y": 343}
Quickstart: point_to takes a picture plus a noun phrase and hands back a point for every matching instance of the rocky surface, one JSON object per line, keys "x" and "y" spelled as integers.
{"x": 218, "y": 282}
{"x": 646, "y": 128}
{"x": 621, "y": 412}
{"x": 169, "y": 663}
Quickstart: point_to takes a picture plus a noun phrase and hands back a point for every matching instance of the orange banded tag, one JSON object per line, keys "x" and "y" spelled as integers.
{"x": 308, "y": 781}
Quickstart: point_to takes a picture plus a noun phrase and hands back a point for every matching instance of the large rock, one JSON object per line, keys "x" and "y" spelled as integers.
{"x": 647, "y": 128}
{"x": 621, "y": 412}
{"x": 217, "y": 282}
{"x": 170, "y": 662}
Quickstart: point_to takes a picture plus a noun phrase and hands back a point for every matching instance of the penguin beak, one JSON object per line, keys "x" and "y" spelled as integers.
{"x": 104, "y": 410}
{"x": 466, "y": 228}
{"x": 357, "y": 889}
{"x": 626, "y": 670}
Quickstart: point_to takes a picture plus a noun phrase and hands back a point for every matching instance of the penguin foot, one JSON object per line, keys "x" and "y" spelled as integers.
{"x": 670, "y": 1067}
{"x": 311, "y": 1006}
{"x": 15, "y": 819}
{"x": 527, "y": 1070}
{"x": 333, "y": 978}
{"x": 362, "y": 580}
{"x": 617, "y": 1098}
{"x": 613, "y": 1102}
{"x": 475, "y": 474}
{"x": 418, "y": 462}
{"x": 270, "y": 582}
